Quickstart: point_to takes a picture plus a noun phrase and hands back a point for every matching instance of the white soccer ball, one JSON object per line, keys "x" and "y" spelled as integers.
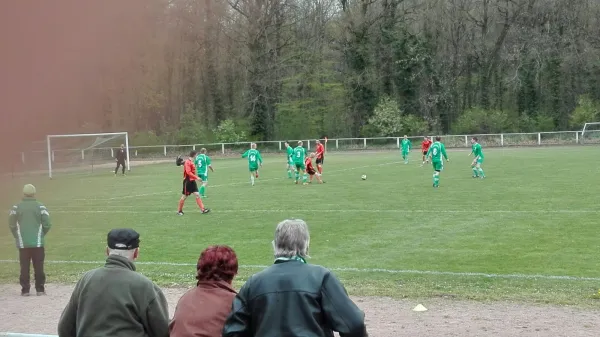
{"x": 363, "y": 177}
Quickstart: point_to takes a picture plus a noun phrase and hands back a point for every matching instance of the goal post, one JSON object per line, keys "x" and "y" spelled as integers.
{"x": 72, "y": 148}
{"x": 590, "y": 133}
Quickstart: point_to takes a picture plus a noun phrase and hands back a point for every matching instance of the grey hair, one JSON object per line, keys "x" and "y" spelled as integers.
{"x": 291, "y": 239}
{"x": 129, "y": 254}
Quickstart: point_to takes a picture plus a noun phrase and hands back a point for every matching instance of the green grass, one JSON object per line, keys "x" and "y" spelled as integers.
{"x": 535, "y": 214}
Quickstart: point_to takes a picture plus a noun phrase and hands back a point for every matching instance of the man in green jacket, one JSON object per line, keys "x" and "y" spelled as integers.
{"x": 29, "y": 223}
{"x": 115, "y": 300}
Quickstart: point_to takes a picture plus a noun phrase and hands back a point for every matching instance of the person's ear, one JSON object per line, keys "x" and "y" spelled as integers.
{"x": 106, "y": 251}
{"x": 136, "y": 253}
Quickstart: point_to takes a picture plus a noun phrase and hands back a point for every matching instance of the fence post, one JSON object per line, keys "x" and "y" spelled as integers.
{"x": 336, "y": 144}
{"x": 82, "y": 154}
{"x": 397, "y": 142}
{"x": 576, "y": 137}
{"x": 23, "y": 157}
{"x": 466, "y": 141}
{"x": 53, "y": 156}
{"x": 279, "y": 146}
{"x": 501, "y": 139}
{"x": 112, "y": 153}
{"x": 222, "y": 148}
{"x": 308, "y": 144}
{"x": 194, "y": 147}
{"x": 365, "y": 142}
{"x": 539, "y": 138}
{"x": 136, "y": 152}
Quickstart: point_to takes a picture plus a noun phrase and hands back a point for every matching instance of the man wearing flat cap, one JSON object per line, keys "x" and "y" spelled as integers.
{"x": 29, "y": 223}
{"x": 115, "y": 300}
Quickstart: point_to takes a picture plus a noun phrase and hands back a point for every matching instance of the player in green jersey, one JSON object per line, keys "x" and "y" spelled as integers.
{"x": 405, "y": 145}
{"x": 298, "y": 158}
{"x": 254, "y": 161}
{"x": 202, "y": 162}
{"x": 290, "y": 162}
{"x": 478, "y": 160}
{"x": 436, "y": 151}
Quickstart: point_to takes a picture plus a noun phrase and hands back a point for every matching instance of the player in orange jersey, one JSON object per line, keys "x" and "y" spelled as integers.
{"x": 190, "y": 185}
{"x": 425, "y": 144}
{"x": 311, "y": 170}
{"x": 320, "y": 155}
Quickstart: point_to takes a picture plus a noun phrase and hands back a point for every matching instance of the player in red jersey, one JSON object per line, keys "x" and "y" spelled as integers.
{"x": 320, "y": 154}
{"x": 311, "y": 170}
{"x": 424, "y": 148}
{"x": 190, "y": 185}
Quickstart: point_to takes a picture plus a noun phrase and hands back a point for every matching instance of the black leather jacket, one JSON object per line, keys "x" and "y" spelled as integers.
{"x": 294, "y": 299}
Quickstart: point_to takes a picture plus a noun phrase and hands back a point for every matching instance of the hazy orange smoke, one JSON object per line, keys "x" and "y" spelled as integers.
{"x": 53, "y": 58}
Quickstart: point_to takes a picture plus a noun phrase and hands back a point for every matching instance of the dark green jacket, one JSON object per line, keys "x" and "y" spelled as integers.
{"x": 294, "y": 299}
{"x": 29, "y": 222}
{"x": 115, "y": 301}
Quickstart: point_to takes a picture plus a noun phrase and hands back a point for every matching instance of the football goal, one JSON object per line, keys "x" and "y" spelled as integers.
{"x": 83, "y": 153}
{"x": 590, "y": 134}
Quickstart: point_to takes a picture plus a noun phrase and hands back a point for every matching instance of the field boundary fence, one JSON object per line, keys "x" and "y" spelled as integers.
{"x": 36, "y": 159}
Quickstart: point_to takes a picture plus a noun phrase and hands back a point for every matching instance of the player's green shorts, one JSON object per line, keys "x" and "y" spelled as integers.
{"x": 479, "y": 161}
{"x": 253, "y": 168}
{"x": 204, "y": 177}
{"x": 404, "y": 153}
{"x": 299, "y": 166}
{"x": 290, "y": 162}
{"x": 437, "y": 166}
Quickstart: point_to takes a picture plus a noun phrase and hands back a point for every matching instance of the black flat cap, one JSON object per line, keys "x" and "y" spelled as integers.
{"x": 123, "y": 238}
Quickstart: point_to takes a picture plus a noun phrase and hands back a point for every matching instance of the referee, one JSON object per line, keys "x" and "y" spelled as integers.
{"x": 120, "y": 159}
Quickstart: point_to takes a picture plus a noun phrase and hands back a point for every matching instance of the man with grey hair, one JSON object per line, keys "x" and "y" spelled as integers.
{"x": 114, "y": 300}
{"x": 292, "y": 298}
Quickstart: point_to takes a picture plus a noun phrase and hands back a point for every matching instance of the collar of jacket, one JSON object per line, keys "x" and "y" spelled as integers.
{"x": 287, "y": 259}
{"x": 216, "y": 284}
{"x": 116, "y": 261}
{"x": 28, "y": 198}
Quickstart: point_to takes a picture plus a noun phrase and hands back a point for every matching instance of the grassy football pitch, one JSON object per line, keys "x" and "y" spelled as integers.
{"x": 528, "y": 232}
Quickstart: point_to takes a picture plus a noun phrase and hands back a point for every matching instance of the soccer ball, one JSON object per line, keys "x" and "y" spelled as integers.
{"x": 363, "y": 177}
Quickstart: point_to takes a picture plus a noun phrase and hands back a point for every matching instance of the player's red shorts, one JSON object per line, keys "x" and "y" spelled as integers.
{"x": 321, "y": 160}
{"x": 310, "y": 170}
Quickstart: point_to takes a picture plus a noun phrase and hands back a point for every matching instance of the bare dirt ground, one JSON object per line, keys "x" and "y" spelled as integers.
{"x": 386, "y": 317}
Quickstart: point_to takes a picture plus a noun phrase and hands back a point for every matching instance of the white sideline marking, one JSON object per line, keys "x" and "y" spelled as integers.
{"x": 222, "y": 185}
{"x": 360, "y": 270}
{"x": 136, "y": 210}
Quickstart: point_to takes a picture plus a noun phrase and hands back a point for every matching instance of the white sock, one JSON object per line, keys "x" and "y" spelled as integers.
{"x": 252, "y": 179}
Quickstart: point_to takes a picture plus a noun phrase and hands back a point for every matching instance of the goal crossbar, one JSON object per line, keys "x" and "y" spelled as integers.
{"x": 105, "y": 134}
{"x": 585, "y": 127}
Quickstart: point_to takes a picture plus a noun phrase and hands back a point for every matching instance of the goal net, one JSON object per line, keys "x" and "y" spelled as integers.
{"x": 85, "y": 153}
{"x": 590, "y": 134}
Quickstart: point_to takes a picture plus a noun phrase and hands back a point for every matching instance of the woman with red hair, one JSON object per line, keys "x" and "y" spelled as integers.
{"x": 201, "y": 312}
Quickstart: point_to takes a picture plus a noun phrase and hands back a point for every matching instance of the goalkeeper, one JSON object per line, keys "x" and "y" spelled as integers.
{"x": 120, "y": 157}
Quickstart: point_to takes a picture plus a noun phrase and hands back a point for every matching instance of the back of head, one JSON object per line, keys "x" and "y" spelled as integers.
{"x": 203, "y": 150}
{"x": 124, "y": 242}
{"x": 438, "y": 138}
{"x": 193, "y": 154}
{"x": 253, "y": 145}
{"x": 291, "y": 239}
{"x": 217, "y": 263}
{"x": 29, "y": 191}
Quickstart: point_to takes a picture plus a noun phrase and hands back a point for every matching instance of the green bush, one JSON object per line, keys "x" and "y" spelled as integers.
{"x": 587, "y": 111}
{"x": 389, "y": 121}
{"x": 481, "y": 121}
{"x": 229, "y": 132}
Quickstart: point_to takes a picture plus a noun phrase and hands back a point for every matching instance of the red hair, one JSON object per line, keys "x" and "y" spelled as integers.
{"x": 217, "y": 263}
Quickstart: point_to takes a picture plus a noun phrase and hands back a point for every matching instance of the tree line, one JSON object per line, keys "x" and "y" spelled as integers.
{"x": 192, "y": 71}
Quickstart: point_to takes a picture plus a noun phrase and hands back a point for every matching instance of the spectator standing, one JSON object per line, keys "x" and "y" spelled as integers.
{"x": 201, "y": 312}
{"x": 292, "y": 298}
{"x": 115, "y": 300}
{"x": 29, "y": 223}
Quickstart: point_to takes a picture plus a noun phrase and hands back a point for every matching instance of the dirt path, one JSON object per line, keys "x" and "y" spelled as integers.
{"x": 385, "y": 317}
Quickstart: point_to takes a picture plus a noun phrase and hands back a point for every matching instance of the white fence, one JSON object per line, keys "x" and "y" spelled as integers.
{"x": 37, "y": 159}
